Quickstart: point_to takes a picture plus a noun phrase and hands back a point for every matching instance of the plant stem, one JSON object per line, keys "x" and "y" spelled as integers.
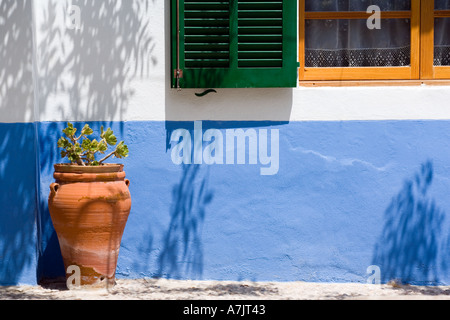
{"x": 73, "y": 139}
{"x": 80, "y": 162}
{"x": 107, "y": 157}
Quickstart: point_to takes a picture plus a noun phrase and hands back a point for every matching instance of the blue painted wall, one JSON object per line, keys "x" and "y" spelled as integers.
{"x": 18, "y": 204}
{"x": 347, "y": 195}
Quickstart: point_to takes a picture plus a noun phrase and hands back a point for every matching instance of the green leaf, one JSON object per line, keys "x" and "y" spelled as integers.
{"x": 87, "y": 131}
{"x": 102, "y": 147}
{"x": 64, "y": 143}
{"x": 86, "y": 145}
{"x": 70, "y": 131}
{"x": 121, "y": 150}
{"x": 90, "y": 157}
{"x": 77, "y": 149}
{"x": 109, "y": 137}
{"x": 111, "y": 140}
{"x": 94, "y": 145}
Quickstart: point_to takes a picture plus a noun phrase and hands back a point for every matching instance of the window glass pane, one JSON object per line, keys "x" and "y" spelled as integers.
{"x": 442, "y": 42}
{"x": 356, "y": 5}
{"x": 442, "y": 4}
{"x": 349, "y": 43}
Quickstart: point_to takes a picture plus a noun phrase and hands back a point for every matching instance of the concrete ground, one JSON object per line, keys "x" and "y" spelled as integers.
{"x": 160, "y": 289}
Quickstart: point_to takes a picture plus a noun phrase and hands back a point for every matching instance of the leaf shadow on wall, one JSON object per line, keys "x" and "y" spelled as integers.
{"x": 85, "y": 74}
{"x": 182, "y": 252}
{"x": 412, "y": 246}
{"x": 18, "y": 208}
{"x": 18, "y": 201}
{"x": 90, "y": 66}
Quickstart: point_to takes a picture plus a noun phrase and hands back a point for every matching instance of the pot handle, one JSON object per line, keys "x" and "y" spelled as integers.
{"x": 127, "y": 182}
{"x": 54, "y": 187}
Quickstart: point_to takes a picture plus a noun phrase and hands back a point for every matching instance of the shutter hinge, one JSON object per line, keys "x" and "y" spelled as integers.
{"x": 178, "y": 74}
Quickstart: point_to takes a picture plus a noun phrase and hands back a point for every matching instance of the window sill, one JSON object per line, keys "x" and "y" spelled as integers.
{"x": 374, "y": 83}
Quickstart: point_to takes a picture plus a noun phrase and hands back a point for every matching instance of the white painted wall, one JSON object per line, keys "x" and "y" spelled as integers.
{"x": 117, "y": 68}
{"x": 16, "y": 62}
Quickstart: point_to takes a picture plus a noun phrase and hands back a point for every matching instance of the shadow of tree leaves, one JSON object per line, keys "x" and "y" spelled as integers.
{"x": 18, "y": 180}
{"x": 410, "y": 246}
{"x": 182, "y": 252}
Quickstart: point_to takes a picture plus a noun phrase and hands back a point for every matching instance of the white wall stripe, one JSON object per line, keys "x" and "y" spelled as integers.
{"x": 111, "y": 92}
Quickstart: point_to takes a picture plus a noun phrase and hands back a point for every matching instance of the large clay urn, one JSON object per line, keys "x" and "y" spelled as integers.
{"x": 89, "y": 207}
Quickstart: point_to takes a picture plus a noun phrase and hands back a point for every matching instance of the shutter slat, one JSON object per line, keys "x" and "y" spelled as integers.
{"x": 260, "y": 46}
{"x": 207, "y": 39}
{"x": 196, "y": 22}
{"x": 261, "y": 5}
{"x": 195, "y": 14}
{"x": 277, "y": 14}
{"x": 192, "y": 47}
{"x": 264, "y": 30}
{"x": 261, "y": 55}
{"x": 252, "y": 22}
{"x": 218, "y": 6}
{"x": 207, "y": 55}
{"x": 261, "y": 38}
{"x": 192, "y": 31}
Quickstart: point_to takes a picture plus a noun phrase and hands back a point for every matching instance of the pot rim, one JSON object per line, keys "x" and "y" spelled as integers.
{"x": 74, "y": 168}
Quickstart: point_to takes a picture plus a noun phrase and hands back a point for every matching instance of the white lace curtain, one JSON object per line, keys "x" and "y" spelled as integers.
{"x": 349, "y": 43}
{"x": 442, "y": 36}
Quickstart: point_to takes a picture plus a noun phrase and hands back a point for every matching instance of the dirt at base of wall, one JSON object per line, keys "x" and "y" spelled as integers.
{"x": 162, "y": 289}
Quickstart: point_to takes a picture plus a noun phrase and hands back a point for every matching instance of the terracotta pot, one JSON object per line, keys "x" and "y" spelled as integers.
{"x": 89, "y": 207}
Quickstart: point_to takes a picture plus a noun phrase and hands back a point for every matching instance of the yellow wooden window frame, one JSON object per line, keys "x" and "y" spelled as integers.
{"x": 428, "y": 14}
{"x": 422, "y": 17}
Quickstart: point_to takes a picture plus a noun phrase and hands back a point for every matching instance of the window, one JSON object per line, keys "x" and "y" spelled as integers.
{"x": 411, "y": 43}
{"x": 234, "y": 43}
{"x": 435, "y": 39}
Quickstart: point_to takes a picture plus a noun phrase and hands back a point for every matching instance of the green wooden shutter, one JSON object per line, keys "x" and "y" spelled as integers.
{"x": 234, "y": 44}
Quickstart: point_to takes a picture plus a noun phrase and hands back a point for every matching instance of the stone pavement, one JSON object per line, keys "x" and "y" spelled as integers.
{"x": 161, "y": 289}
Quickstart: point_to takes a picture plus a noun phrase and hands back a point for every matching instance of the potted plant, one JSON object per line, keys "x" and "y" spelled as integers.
{"x": 89, "y": 204}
